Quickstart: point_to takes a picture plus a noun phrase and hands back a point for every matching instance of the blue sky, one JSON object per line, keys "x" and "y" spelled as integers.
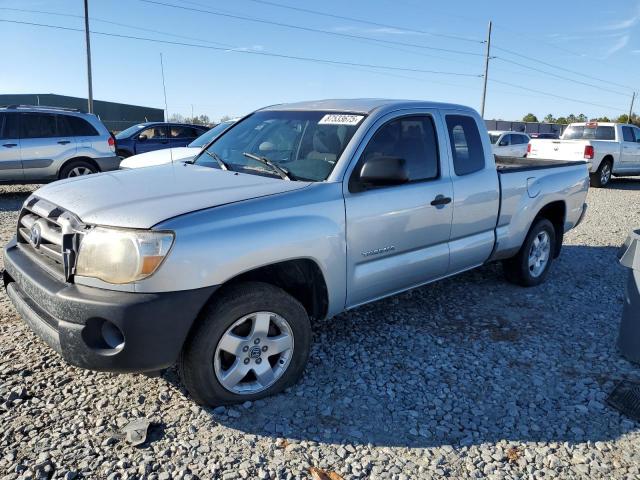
{"x": 591, "y": 41}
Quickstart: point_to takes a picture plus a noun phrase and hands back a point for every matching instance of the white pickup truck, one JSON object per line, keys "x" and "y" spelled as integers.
{"x": 609, "y": 148}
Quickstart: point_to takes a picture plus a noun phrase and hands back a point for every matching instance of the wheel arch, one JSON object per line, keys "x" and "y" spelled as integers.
{"x": 76, "y": 159}
{"x": 556, "y": 213}
{"x": 302, "y": 278}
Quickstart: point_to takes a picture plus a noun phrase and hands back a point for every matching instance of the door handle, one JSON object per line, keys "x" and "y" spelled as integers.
{"x": 440, "y": 200}
{"x": 10, "y": 145}
{"x": 64, "y": 142}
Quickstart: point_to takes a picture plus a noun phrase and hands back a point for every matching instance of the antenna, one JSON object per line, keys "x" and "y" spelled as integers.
{"x": 166, "y": 109}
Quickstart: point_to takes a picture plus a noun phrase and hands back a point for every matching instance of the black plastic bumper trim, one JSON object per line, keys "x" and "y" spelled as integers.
{"x": 154, "y": 325}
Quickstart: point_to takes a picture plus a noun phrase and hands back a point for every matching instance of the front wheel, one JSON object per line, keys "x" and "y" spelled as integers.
{"x": 602, "y": 176}
{"x": 531, "y": 265}
{"x": 251, "y": 342}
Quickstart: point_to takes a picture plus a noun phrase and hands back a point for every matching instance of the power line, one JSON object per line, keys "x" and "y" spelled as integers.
{"x": 309, "y": 29}
{"x": 161, "y": 32}
{"x": 546, "y": 72}
{"x": 562, "y": 68}
{"x": 126, "y": 25}
{"x": 360, "y": 20}
{"x": 553, "y": 95}
{"x": 248, "y": 52}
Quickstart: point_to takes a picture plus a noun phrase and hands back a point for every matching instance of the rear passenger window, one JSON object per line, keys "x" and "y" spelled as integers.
{"x": 627, "y": 134}
{"x": 412, "y": 139}
{"x": 466, "y": 144}
{"x": 183, "y": 132}
{"x": 38, "y": 125}
{"x": 79, "y": 127}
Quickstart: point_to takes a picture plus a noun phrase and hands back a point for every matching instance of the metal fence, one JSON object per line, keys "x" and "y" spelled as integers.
{"x": 526, "y": 127}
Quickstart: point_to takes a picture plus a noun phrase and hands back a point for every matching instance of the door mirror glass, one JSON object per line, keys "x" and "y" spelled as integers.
{"x": 142, "y": 138}
{"x": 383, "y": 171}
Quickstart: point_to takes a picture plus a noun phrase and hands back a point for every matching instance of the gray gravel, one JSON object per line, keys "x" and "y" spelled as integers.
{"x": 469, "y": 377}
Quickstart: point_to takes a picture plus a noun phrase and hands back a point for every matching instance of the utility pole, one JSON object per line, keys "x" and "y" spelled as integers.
{"x": 633, "y": 98}
{"x": 88, "y": 42}
{"x": 486, "y": 71}
{"x": 164, "y": 88}
{"x": 192, "y": 112}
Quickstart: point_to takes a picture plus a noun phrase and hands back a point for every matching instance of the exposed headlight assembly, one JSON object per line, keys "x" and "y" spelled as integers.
{"x": 122, "y": 256}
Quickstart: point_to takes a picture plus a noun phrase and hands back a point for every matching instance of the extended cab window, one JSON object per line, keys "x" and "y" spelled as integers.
{"x": 412, "y": 139}
{"x": 466, "y": 144}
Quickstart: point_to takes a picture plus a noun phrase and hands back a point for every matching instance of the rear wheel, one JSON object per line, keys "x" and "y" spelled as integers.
{"x": 251, "y": 342}
{"x": 531, "y": 265}
{"x": 77, "y": 168}
{"x": 602, "y": 176}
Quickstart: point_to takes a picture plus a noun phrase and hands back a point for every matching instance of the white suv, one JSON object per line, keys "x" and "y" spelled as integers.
{"x": 509, "y": 144}
{"x": 42, "y": 144}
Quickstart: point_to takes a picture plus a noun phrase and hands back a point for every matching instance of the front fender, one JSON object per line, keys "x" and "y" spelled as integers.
{"x": 215, "y": 245}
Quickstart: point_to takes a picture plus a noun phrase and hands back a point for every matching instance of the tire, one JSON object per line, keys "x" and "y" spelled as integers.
{"x": 204, "y": 361}
{"x": 519, "y": 270}
{"x": 602, "y": 176}
{"x": 77, "y": 168}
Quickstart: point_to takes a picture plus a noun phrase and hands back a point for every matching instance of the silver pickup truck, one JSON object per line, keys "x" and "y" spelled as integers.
{"x": 297, "y": 212}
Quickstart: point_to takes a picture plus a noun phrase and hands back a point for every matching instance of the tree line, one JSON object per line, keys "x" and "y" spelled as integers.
{"x": 572, "y": 118}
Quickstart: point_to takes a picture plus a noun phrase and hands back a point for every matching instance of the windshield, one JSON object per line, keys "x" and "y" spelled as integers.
{"x": 305, "y": 144}
{"x": 210, "y": 135}
{"x": 586, "y": 132}
{"x": 130, "y": 131}
{"x": 494, "y": 137}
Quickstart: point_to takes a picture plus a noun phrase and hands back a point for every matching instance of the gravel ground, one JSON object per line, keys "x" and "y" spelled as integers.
{"x": 469, "y": 377}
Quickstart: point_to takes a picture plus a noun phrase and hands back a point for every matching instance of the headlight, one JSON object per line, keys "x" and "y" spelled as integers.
{"x": 122, "y": 256}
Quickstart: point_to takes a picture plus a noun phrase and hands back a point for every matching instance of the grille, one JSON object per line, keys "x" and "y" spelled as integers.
{"x": 51, "y": 235}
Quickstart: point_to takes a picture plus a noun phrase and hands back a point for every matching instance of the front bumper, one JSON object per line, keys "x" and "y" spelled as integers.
{"x": 78, "y": 321}
{"x": 107, "y": 164}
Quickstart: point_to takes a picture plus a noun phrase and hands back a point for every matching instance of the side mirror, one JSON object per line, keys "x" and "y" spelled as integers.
{"x": 142, "y": 138}
{"x": 503, "y": 143}
{"x": 383, "y": 171}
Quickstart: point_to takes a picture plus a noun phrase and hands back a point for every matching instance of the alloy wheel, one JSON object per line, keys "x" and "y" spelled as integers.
{"x": 253, "y": 353}
{"x": 539, "y": 254}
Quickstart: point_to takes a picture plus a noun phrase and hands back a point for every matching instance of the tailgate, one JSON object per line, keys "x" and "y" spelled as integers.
{"x": 569, "y": 150}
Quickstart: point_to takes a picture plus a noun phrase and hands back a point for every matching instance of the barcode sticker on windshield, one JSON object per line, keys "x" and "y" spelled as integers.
{"x": 340, "y": 119}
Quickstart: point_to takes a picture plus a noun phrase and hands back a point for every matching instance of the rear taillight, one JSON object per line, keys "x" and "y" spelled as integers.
{"x": 588, "y": 152}
{"x": 529, "y": 148}
{"x": 112, "y": 143}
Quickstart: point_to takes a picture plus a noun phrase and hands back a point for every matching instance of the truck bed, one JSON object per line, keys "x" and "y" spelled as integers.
{"x": 520, "y": 164}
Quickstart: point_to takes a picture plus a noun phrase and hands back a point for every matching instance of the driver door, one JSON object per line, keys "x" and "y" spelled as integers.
{"x": 397, "y": 236}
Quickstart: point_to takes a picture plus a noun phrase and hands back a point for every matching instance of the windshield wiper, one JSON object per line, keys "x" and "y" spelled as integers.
{"x": 223, "y": 165}
{"x": 282, "y": 173}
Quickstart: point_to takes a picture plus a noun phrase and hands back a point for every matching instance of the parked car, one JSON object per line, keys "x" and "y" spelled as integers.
{"x": 176, "y": 154}
{"x": 42, "y": 144}
{"x": 547, "y": 136}
{"x": 297, "y": 212}
{"x": 509, "y": 144}
{"x": 150, "y": 136}
{"x": 609, "y": 148}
